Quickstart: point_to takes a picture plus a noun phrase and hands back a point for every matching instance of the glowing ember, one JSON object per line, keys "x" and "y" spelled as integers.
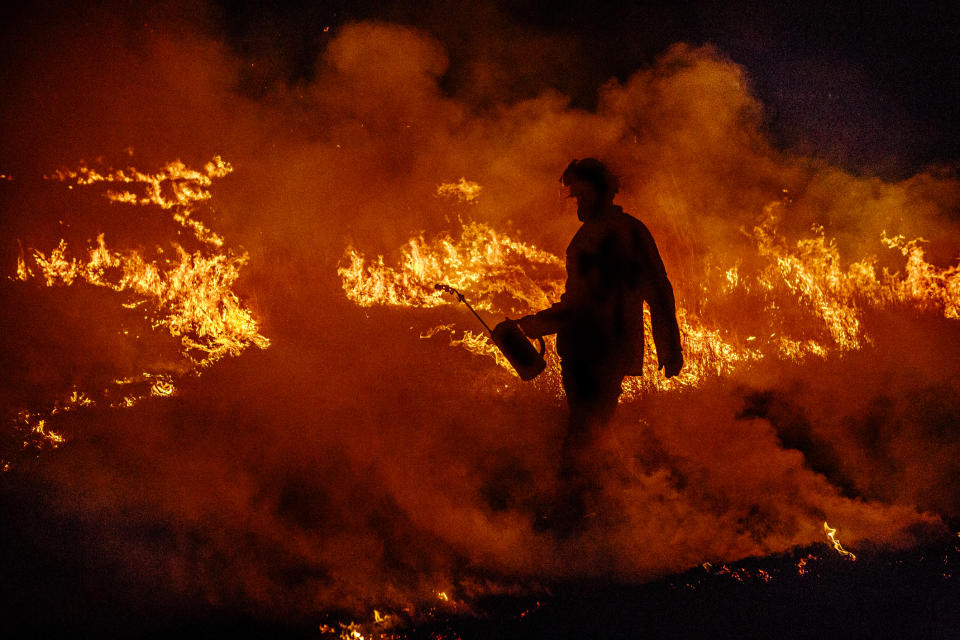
{"x": 162, "y": 386}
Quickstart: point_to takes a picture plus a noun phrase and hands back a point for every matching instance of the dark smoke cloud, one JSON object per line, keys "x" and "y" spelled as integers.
{"x": 353, "y": 464}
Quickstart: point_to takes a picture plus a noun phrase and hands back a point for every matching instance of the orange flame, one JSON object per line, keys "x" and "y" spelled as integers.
{"x": 464, "y": 190}
{"x": 188, "y": 295}
{"x": 836, "y": 543}
{"x": 489, "y": 266}
{"x": 176, "y": 187}
{"x": 826, "y": 302}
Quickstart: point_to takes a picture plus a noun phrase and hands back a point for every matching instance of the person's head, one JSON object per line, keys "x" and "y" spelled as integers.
{"x": 592, "y": 184}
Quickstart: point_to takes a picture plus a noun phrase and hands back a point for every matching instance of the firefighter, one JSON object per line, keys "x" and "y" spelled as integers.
{"x": 613, "y": 267}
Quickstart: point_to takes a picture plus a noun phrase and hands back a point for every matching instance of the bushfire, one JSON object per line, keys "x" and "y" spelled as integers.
{"x": 187, "y": 295}
{"x": 804, "y": 279}
{"x": 231, "y": 385}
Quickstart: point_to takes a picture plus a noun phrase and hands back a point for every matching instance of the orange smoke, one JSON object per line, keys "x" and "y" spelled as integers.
{"x": 362, "y": 462}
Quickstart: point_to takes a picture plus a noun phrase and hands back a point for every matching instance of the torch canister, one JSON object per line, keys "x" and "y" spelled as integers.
{"x": 511, "y": 340}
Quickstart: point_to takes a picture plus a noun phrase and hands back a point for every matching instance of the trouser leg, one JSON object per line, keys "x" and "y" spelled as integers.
{"x": 592, "y": 395}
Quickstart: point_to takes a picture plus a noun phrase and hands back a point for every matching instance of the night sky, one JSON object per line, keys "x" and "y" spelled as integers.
{"x": 872, "y": 86}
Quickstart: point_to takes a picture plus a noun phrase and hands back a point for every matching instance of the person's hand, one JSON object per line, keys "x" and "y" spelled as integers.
{"x": 672, "y": 367}
{"x": 531, "y": 326}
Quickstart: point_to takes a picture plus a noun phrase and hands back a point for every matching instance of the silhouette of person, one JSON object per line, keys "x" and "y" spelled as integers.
{"x": 613, "y": 267}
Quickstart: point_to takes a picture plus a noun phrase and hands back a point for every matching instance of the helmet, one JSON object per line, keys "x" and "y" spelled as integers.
{"x": 593, "y": 171}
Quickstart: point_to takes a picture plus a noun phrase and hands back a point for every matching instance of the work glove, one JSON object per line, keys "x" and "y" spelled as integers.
{"x": 531, "y": 326}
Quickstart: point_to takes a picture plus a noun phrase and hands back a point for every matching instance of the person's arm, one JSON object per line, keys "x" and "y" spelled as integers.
{"x": 548, "y": 321}
{"x": 658, "y": 292}
{"x": 557, "y": 315}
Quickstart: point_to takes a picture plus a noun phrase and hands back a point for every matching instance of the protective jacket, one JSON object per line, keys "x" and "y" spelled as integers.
{"x": 613, "y": 267}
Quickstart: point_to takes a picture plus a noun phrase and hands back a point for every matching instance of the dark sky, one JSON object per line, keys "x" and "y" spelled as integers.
{"x": 873, "y": 86}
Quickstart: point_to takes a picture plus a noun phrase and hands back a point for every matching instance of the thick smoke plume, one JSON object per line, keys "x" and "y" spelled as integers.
{"x": 354, "y": 464}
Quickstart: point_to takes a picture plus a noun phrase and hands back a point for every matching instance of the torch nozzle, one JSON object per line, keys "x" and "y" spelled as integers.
{"x": 448, "y": 289}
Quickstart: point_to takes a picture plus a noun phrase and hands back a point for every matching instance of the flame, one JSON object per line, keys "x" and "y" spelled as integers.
{"x": 801, "y": 290}
{"x": 36, "y": 434}
{"x": 464, "y": 190}
{"x": 175, "y": 187}
{"x": 187, "y": 294}
{"x": 482, "y": 262}
{"x": 836, "y": 543}
{"x": 190, "y": 296}
{"x": 802, "y": 564}
{"x": 163, "y": 387}
{"x": 41, "y": 428}
{"x": 813, "y": 274}
{"x": 924, "y": 286}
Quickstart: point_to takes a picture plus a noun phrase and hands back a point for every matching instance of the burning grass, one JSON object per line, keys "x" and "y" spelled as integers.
{"x": 360, "y": 464}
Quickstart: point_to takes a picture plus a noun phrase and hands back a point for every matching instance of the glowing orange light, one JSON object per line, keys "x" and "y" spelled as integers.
{"x": 836, "y": 543}
{"x": 464, "y": 190}
{"x": 190, "y": 297}
{"x": 506, "y": 277}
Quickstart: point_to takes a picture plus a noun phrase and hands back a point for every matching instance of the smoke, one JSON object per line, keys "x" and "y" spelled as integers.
{"x": 354, "y": 464}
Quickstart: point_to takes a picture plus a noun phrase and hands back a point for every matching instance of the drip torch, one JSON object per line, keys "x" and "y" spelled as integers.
{"x": 510, "y": 339}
